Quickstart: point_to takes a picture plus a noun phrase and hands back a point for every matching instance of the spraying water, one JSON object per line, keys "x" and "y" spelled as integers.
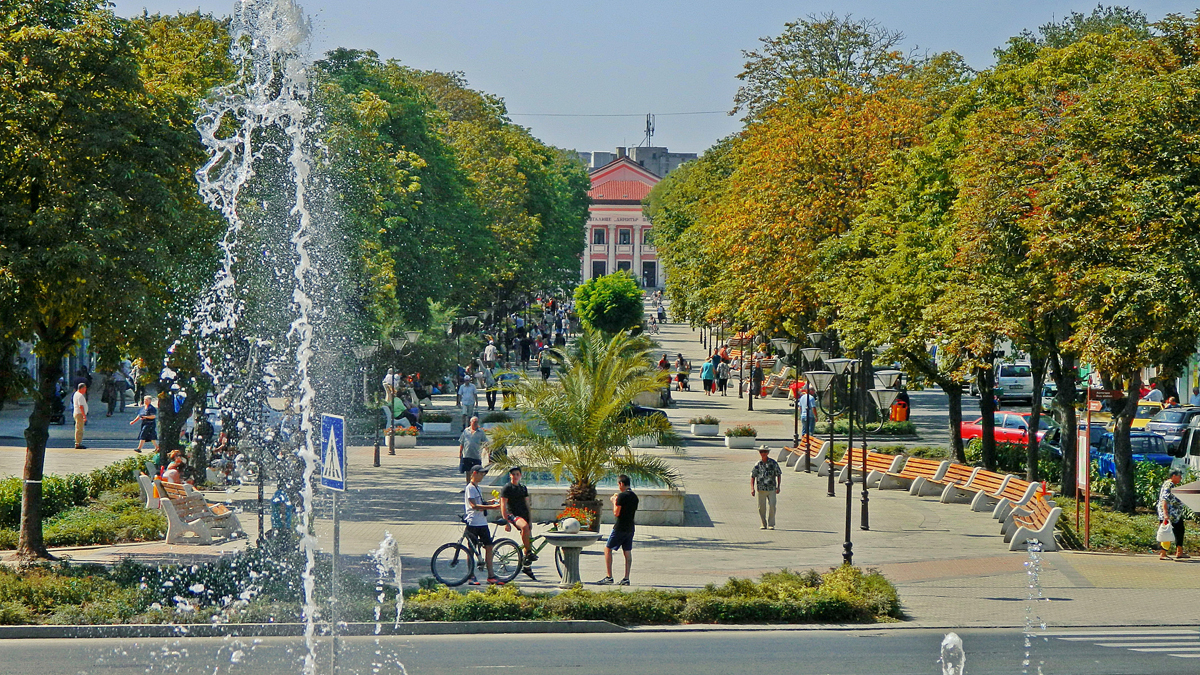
{"x": 1033, "y": 570}
{"x": 387, "y": 560}
{"x": 953, "y": 659}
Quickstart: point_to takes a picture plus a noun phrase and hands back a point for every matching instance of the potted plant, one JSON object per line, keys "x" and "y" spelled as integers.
{"x": 436, "y": 422}
{"x": 742, "y": 437}
{"x": 705, "y": 426}
{"x": 494, "y": 419}
{"x": 579, "y": 426}
{"x": 406, "y": 437}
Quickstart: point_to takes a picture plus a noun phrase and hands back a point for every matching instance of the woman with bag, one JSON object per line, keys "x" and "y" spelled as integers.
{"x": 1170, "y": 517}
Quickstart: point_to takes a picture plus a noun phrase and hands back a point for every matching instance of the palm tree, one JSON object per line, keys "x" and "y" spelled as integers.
{"x": 579, "y": 426}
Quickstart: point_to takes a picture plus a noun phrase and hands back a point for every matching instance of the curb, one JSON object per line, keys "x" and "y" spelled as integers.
{"x": 297, "y": 629}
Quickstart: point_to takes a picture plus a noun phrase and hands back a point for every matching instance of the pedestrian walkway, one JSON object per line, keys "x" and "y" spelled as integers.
{"x": 1184, "y": 644}
{"x": 950, "y": 564}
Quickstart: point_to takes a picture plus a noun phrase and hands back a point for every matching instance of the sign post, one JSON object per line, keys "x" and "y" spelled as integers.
{"x": 1083, "y": 461}
{"x": 333, "y": 478}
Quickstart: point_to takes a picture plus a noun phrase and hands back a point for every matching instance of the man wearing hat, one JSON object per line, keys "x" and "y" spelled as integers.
{"x": 476, "y": 518}
{"x": 765, "y": 479}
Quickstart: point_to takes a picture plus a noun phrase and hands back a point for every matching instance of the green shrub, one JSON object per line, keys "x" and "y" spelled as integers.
{"x": 60, "y": 493}
{"x": 1010, "y": 457}
{"x": 890, "y": 428}
{"x": 707, "y": 419}
{"x": 741, "y": 431}
{"x": 1120, "y": 532}
{"x": 436, "y": 417}
{"x": 928, "y": 452}
{"x": 496, "y": 418}
{"x": 118, "y": 516}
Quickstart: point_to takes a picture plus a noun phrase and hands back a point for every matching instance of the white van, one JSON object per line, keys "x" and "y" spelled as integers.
{"x": 1015, "y": 382}
{"x": 1187, "y": 453}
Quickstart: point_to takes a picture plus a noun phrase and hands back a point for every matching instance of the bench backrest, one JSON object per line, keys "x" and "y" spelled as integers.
{"x": 1039, "y": 510}
{"x": 929, "y": 468}
{"x": 811, "y": 447}
{"x": 1015, "y": 489}
{"x": 853, "y": 454}
{"x": 959, "y": 473}
{"x": 189, "y": 505}
{"x": 989, "y": 481}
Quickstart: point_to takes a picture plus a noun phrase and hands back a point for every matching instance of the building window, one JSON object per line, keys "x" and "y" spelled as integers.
{"x": 622, "y": 236}
{"x": 598, "y": 237}
{"x": 624, "y": 265}
{"x": 599, "y": 268}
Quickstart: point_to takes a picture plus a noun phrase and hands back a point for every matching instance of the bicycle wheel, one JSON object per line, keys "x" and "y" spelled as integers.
{"x": 452, "y": 564}
{"x": 506, "y": 559}
{"x": 560, "y": 561}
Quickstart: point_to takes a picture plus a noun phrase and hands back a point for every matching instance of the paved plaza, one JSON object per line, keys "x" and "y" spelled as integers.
{"x": 950, "y": 564}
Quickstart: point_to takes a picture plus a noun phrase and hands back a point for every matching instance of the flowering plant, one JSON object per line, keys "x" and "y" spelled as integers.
{"x": 402, "y": 431}
{"x": 584, "y": 516}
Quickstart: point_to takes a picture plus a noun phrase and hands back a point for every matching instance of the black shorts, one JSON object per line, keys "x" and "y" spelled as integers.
{"x": 481, "y": 533}
{"x": 465, "y": 464}
{"x": 620, "y": 540}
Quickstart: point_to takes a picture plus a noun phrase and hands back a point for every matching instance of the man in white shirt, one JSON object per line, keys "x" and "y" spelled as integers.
{"x": 489, "y": 354}
{"x": 468, "y": 396}
{"x": 476, "y": 508}
{"x": 79, "y": 408}
{"x": 1155, "y": 394}
{"x": 807, "y": 403}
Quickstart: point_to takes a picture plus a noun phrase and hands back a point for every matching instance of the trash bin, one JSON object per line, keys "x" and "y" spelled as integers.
{"x": 899, "y": 411}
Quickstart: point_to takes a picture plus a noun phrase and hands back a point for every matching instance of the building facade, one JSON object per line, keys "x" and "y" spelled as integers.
{"x": 617, "y": 232}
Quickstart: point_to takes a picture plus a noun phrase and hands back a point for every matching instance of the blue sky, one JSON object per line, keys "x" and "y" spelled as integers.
{"x": 569, "y": 57}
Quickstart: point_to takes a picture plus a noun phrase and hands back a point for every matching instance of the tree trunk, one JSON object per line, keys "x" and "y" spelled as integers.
{"x": 1126, "y": 498}
{"x": 55, "y": 344}
{"x": 1038, "y": 367}
{"x": 954, "y": 396}
{"x": 1062, "y": 369}
{"x": 986, "y": 383}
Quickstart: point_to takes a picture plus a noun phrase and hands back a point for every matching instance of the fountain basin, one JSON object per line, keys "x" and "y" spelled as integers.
{"x": 570, "y": 545}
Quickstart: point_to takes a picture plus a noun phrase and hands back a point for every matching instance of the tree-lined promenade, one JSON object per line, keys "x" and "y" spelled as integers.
{"x": 927, "y": 212}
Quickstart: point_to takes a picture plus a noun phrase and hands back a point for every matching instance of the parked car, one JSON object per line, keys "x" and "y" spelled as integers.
{"x": 1015, "y": 382}
{"x": 1145, "y": 410}
{"x": 1171, "y": 422}
{"x": 1010, "y": 427}
{"x": 1187, "y": 453}
{"x": 1147, "y": 447}
{"x": 1053, "y": 439}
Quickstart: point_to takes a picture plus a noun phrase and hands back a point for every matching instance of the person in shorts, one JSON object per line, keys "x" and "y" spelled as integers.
{"x": 476, "y": 519}
{"x": 148, "y": 416}
{"x": 625, "y": 504}
{"x": 514, "y": 509}
{"x": 471, "y": 445}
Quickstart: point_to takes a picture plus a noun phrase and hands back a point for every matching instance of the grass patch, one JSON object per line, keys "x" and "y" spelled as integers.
{"x": 117, "y": 516}
{"x": 60, "y": 493}
{"x": 890, "y": 428}
{"x": 1121, "y": 532}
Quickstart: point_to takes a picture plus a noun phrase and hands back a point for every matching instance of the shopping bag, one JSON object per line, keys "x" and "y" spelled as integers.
{"x": 1166, "y": 534}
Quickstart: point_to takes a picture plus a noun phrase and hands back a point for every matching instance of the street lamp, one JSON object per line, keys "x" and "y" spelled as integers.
{"x": 884, "y": 398}
{"x": 816, "y": 339}
{"x": 808, "y": 354}
{"x": 887, "y": 379}
{"x": 853, "y": 367}
{"x": 398, "y": 344}
{"x": 820, "y": 380}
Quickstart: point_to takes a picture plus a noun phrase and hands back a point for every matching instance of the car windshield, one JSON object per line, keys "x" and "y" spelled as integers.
{"x": 1142, "y": 445}
{"x": 1015, "y": 370}
{"x": 1146, "y": 411}
{"x": 1170, "y": 416}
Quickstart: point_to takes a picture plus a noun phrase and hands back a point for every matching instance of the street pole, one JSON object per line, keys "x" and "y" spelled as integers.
{"x": 848, "y": 546}
{"x": 376, "y": 421}
{"x": 865, "y": 518}
{"x": 333, "y": 601}
{"x": 742, "y": 366}
{"x": 829, "y": 454}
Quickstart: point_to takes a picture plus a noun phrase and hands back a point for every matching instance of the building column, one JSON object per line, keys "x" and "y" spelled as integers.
{"x": 637, "y": 254}
{"x": 612, "y": 248}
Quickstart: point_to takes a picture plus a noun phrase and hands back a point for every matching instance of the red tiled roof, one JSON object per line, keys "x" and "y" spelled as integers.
{"x": 620, "y": 189}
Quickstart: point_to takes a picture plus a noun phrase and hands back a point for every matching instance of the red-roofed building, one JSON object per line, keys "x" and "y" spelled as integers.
{"x": 617, "y": 230}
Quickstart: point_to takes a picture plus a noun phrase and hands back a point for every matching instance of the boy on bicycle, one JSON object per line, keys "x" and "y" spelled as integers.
{"x": 477, "y": 524}
{"x": 514, "y": 509}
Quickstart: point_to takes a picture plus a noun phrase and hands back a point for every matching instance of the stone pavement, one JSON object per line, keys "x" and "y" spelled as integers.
{"x": 950, "y": 564}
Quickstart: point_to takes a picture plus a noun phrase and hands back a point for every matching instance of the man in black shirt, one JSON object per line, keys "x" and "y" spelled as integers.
{"x": 514, "y": 508}
{"x": 625, "y": 504}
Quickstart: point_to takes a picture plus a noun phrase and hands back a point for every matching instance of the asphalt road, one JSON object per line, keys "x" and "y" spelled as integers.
{"x": 878, "y": 652}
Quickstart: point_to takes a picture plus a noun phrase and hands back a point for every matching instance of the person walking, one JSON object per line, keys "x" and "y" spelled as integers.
{"x": 515, "y": 510}
{"x": 545, "y": 363}
{"x": 756, "y": 379}
{"x": 765, "y": 480}
{"x": 1170, "y": 512}
{"x": 707, "y": 375}
{"x": 109, "y": 395}
{"x": 624, "y": 505}
{"x": 723, "y": 376}
{"x": 148, "y": 416}
{"x": 489, "y": 385}
{"x": 79, "y": 410}
{"x": 489, "y": 354}
{"x": 477, "y": 526}
{"x": 468, "y": 396}
{"x": 807, "y": 403}
{"x": 471, "y": 444}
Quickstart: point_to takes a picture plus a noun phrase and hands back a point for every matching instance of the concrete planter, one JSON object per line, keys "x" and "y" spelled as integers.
{"x": 436, "y": 427}
{"x": 706, "y": 429}
{"x": 406, "y": 441}
{"x": 488, "y": 426}
{"x": 648, "y": 441}
{"x": 741, "y": 442}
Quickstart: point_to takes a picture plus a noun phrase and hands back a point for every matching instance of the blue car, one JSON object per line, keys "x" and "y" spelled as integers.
{"x": 1146, "y": 448}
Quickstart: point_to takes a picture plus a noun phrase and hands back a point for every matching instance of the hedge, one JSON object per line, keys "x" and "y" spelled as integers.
{"x": 60, "y": 493}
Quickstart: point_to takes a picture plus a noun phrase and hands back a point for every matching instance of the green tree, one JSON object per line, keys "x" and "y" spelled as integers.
{"x": 96, "y": 203}
{"x": 611, "y": 303}
{"x": 579, "y": 426}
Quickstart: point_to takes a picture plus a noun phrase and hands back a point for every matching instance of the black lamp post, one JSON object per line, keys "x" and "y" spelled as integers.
{"x": 362, "y": 353}
{"x": 850, "y": 367}
{"x": 810, "y": 355}
{"x": 884, "y": 396}
{"x": 820, "y": 381}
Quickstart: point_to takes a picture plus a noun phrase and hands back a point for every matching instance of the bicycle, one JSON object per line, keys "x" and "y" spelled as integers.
{"x": 453, "y": 563}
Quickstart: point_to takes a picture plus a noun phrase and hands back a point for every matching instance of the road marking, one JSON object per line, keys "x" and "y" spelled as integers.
{"x": 1184, "y": 644}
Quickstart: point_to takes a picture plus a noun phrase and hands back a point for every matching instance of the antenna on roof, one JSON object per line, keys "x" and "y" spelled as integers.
{"x": 649, "y": 129}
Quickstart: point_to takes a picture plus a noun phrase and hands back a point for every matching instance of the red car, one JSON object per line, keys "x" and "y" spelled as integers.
{"x": 1011, "y": 427}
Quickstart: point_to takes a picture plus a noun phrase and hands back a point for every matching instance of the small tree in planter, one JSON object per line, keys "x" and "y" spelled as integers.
{"x": 742, "y": 436}
{"x": 579, "y": 426}
{"x": 493, "y": 419}
{"x": 705, "y": 426}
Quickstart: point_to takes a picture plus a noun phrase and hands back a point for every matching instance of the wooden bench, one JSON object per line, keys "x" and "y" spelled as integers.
{"x": 854, "y": 454}
{"x": 191, "y": 519}
{"x": 955, "y": 474}
{"x": 983, "y": 481}
{"x": 146, "y": 485}
{"x": 1016, "y": 492}
{"x": 914, "y": 468}
{"x": 878, "y": 465}
{"x": 1038, "y": 523}
{"x": 814, "y": 447}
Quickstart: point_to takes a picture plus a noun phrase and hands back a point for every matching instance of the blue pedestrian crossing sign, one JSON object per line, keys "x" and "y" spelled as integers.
{"x": 333, "y": 452}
